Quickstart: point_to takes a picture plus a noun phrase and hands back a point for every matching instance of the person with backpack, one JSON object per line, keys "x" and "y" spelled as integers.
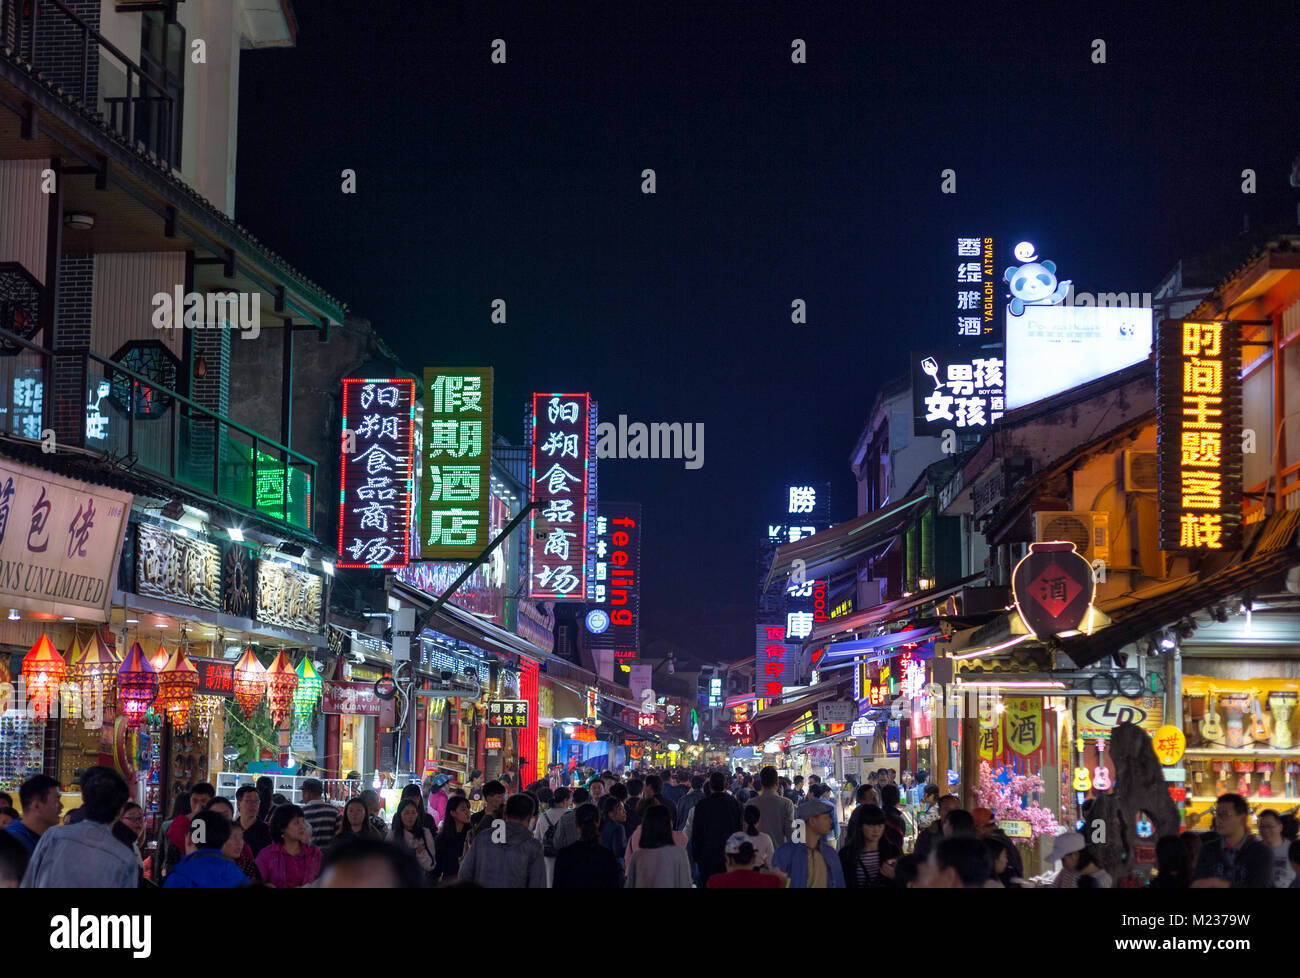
{"x": 544, "y": 830}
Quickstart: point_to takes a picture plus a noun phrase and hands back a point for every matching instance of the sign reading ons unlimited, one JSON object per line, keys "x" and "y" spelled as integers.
{"x": 456, "y": 489}
{"x": 376, "y": 472}
{"x": 59, "y": 542}
{"x": 562, "y": 478}
{"x": 1198, "y": 434}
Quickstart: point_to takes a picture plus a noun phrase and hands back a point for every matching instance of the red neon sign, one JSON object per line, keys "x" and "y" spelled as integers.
{"x": 375, "y": 480}
{"x": 559, "y": 478}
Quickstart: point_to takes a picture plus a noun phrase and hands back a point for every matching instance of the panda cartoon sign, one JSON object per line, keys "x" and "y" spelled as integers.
{"x": 1034, "y": 282}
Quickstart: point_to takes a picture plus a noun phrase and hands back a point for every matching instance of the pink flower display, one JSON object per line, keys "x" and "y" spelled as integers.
{"x": 1007, "y": 795}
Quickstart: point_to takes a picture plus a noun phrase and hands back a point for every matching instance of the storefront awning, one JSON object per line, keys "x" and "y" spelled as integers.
{"x": 881, "y": 613}
{"x": 771, "y": 722}
{"x": 879, "y": 647}
{"x": 841, "y": 547}
{"x": 468, "y": 627}
{"x": 610, "y": 725}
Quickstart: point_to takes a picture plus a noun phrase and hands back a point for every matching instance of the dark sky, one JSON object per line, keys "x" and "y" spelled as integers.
{"x": 776, "y": 181}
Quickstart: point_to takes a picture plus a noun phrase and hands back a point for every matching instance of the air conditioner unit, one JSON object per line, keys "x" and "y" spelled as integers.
{"x": 1139, "y": 471}
{"x": 1088, "y": 531}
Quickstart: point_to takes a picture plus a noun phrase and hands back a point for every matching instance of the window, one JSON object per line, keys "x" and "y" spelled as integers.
{"x": 162, "y": 58}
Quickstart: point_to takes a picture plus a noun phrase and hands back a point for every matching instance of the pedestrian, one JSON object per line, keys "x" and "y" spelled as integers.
{"x": 689, "y": 800}
{"x": 374, "y": 805}
{"x": 449, "y": 846}
{"x": 14, "y": 858}
{"x": 494, "y": 798}
{"x": 596, "y": 790}
{"x": 178, "y": 828}
{"x": 129, "y": 830}
{"x": 812, "y": 864}
{"x": 1270, "y": 833}
{"x": 1232, "y": 857}
{"x": 613, "y": 836}
{"x": 437, "y": 800}
{"x": 1077, "y": 861}
{"x": 265, "y": 799}
{"x": 715, "y": 818}
{"x": 764, "y": 848}
{"x": 910, "y": 872}
{"x": 797, "y": 793}
{"x": 1173, "y": 865}
{"x": 412, "y": 835}
{"x": 866, "y": 795}
{"x": 87, "y": 855}
{"x": 987, "y": 828}
{"x": 205, "y": 866}
{"x": 322, "y": 816}
{"x": 356, "y": 823}
{"x": 8, "y": 816}
{"x": 42, "y": 805}
{"x": 961, "y": 862}
{"x": 547, "y": 823}
{"x": 587, "y": 864}
{"x": 511, "y": 860}
{"x": 870, "y": 856}
{"x": 238, "y": 852}
{"x": 290, "y": 860}
{"x": 895, "y": 824}
{"x": 257, "y": 834}
{"x": 634, "y": 840}
{"x": 824, "y": 793}
{"x": 364, "y": 862}
{"x": 635, "y": 787}
{"x": 934, "y": 828}
{"x": 776, "y": 812}
{"x": 658, "y": 861}
{"x": 566, "y": 832}
{"x": 741, "y": 873}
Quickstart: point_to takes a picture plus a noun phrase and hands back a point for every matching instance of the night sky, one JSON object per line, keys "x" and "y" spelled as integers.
{"x": 776, "y": 181}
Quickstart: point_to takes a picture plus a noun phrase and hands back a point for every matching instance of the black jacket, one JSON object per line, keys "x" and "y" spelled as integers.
{"x": 684, "y": 806}
{"x": 717, "y": 816}
{"x": 849, "y": 863}
{"x": 1252, "y": 867}
{"x": 586, "y": 865}
{"x": 448, "y": 848}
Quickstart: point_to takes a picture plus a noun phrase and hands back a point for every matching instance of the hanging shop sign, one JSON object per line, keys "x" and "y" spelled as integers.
{"x": 507, "y": 713}
{"x": 356, "y": 699}
{"x": 1023, "y": 719}
{"x": 288, "y": 597}
{"x": 975, "y": 283}
{"x": 302, "y": 740}
{"x": 838, "y": 711}
{"x": 958, "y": 389}
{"x": 1169, "y": 743}
{"x": 612, "y": 623}
{"x": 1053, "y": 587}
{"x": 177, "y": 568}
{"x": 1100, "y": 717}
{"x": 776, "y": 663}
{"x": 216, "y": 677}
{"x": 1015, "y": 828}
{"x": 455, "y": 490}
{"x": 1198, "y": 435}
{"x": 561, "y": 437}
{"x": 385, "y": 688}
{"x": 862, "y": 727}
{"x": 376, "y": 472}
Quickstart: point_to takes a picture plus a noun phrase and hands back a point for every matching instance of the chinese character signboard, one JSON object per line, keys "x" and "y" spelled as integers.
{"x": 1100, "y": 717}
{"x": 975, "y": 283}
{"x": 507, "y": 713}
{"x": 177, "y": 568}
{"x": 1053, "y": 587}
{"x": 356, "y": 699}
{"x": 456, "y": 476}
{"x": 376, "y": 479}
{"x": 959, "y": 389}
{"x": 1198, "y": 424}
{"x": 561, "y": 561}
{"x": 289, "y": 597}
{"x": 216, "y": 677}
{"x": 742, "y": 730}
{"x": 617, "y": 579}
{"x": 60, "y": 541}
{"x": 1023, "y": 719}
{"x": 776, "y": 664}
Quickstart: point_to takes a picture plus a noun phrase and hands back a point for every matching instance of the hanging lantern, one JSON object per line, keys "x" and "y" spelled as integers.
{"x": 159, "y": 659}
{"x": 43, "y": 671}
{"x": 203, "y": 711}
{"x": 137, "y": 683}
{"x": 176, "y": 685}
{"x": 281, "y": 681}
{"x": 93, "y": 668}
{"x": 250, "y": 682}
{"x": 307, "y": 695}
{"x": 70, "y": 688}
{"x": 4, "y": 669}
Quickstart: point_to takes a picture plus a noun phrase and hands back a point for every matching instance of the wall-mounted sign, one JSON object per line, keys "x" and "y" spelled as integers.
{"x": 1100, "y": 717}
{"x": 958, "y": 389}
{"x": 561, "y": 432}
{"x": 1015, "y": 828}
{"x": 1023, "y": 720}
{"x": 456, "y": 477}
{"x": 177, "y": 568}
{"x": 838, "y": 711}
{"x": 1032, "y": 283}
{"x": 237, "y": 581}
{"x": 742, "y": 731}
{"x": 862, "y": 727}
{"x": 376, "y": 479}
{"x": 975, "y": 284}
{"x": 507, "y": 713}
{"x": 1053, "y": 587}
{"x": 618, "y": 576}
{"x": 1198, "y": 435}
{"x": 385, "y": 687}
{"x": 356, "y": 699}
{"x": 1169, "y": 743}
{"x": 597, "y": 619}
{"x": 776, "y": 664}
{"x": 288, "y": 597}
{"x": 216, "y": 677}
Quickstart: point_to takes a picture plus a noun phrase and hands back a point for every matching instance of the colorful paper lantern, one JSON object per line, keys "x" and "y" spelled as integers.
{"x": 137, "y": 684}
{"x": 176, "y": 685}
{"x": 159, "y": 659}
{"x": 93, "y": 668}
{"x": 250, "y": 682}
{"x": 43, "y": 672}
{"x": 307, "y": 695}
{"x": 203, "y": 711}
{"x": 281, "y": 681}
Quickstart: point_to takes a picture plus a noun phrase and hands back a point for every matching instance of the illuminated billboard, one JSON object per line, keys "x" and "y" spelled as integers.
{"x": 562, "y": 477}
{"x": 975, "y": 283}
{"x": 612, "y": 620}
{"x": 455, "y": 487}
{"x": 957, "y": 389}
{"x": 376, "y": 472}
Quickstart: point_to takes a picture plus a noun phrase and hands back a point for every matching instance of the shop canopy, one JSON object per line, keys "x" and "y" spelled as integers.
{"x": 842, "y": 547}
{"x": 885, "y": 611}
{"x": 773, "y": 721}
{"x": 468, "y": 627}
{"x": 845, "y": 654}
{"x": 611, "y": 726}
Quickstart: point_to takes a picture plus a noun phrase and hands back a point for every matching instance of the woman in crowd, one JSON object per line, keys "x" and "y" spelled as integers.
{"x": 633, "y": 843}
{"x": 761, "y": 841}
{"x": 413, "y": 793}
{"x": 411, "y": 835}
{"x": 658, "y": 862}
{"x": 265, "y": 798}
{"x": 869, "y": 859}
{"x": 238, "y": 852}
{"x": 586, "y": 864}
{"x": 356, "y": 823}
{"x": 613, "y": 836}
{"x": 449, "y": 846}
{"x": 290, "y": 860}
{"x": 437, "y": 801}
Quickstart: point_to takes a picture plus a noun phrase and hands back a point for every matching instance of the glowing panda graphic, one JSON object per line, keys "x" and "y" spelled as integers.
{"x": 1034, "y": 284}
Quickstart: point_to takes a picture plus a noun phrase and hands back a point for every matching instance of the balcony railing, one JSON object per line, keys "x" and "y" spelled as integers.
{"x": 101, "y": 406}
{"x": 43, "y": 33}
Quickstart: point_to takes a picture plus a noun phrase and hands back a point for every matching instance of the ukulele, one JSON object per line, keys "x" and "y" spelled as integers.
{"x": 1081, "y": 780}
{"x": 1211, "y": 727}
{"x": 1259, "y": 731}
{"x": 1100, "y": 775}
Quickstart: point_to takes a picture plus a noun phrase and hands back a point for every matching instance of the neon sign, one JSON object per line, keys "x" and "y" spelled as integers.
{"x": 561, "y": 433}
{"x": 455, "y": 512}
{"x": 375, "y": 480}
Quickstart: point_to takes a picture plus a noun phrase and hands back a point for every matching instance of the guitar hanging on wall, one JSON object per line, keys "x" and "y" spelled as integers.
{"x": 1100, "y": 774}
{"x": 1211, "y": 726}
{"x": 1259, "y": 731}
{"x": 1081, "y": 780}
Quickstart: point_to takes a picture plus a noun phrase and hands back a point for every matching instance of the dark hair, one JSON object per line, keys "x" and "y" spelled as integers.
{"x": 607, "y": 804}
{"x": 907, "y": 870}
{"x": 279, "y": 799}
{"x": 656, "y": 828}
{"x": 449, "y": 825}
{"x": 931, "y": 791}
{"x": 767, "y": 777}
{"x": 619, "y": 790}
{"x": 544, "y": 795}
{"x": 717, "y": 782}
{"x": 745, "y": 857}
{"x": 493, "y": 788}
{"x": 264, "y": 788}
{"x": 697, "y": 782}
{"x": 11, "y": 812}
{"x": 215, "y": 833}
{"x": 1086, "y": 858}
{"x": 399, "y": 827}
{"x": 35, "y": 788}
{"x": 655, "y": 784}
{"x": 889, "y": 795}
{"x": 587, "y": 818}
{"x": 359, "y": 849}
{"x": 961, "y": 822}
{"x": 413, "y": 792}
{"x": 752, "y": 817}
{"x": 1173, "y": 863}
{"x": 314, "y": 787}
{"x": 520, "y": 807}
{"x": 1290, "y": 827}
{"x": 968, "y": 856}
{"x": 798, "y": 779}
{"x": 1293, "y": 852}
{"x": 864, "y": 792}
{"x": 103, "y": 793}
{"x": 244, "y": 789}
{"x": 560, "y": 796}
{"x": 1237, "y": 802}
{"x": 634, "y": 787}
{"x": 180, "y": 806}
{"x": 581, "y": 796}
{"x": 203, "y": 788}
{"x": 222, "y": 800}
{"x": 6, "y": 800}
{"x": 996, "y": 848}
{"x": 870, "y": 815}
{"x": 1269, "y": 811}
{"x": 13, "y": 857}
{"x": 280, "y": 819}
{"x": 345, "y": 827}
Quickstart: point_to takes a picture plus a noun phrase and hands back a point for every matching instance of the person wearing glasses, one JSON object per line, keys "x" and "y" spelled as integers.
{"x": 1233, "y": 858}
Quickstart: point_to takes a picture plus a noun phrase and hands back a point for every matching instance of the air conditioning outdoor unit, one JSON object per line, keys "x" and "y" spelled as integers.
{"x": 1139, "y": 471}
{"x": 1088, "y": 531}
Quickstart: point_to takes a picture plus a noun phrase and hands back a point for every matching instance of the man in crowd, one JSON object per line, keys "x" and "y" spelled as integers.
{"x": 776, "y": 813}
{"x": 323, "y": 817}
{"x": 204, "y": 865}
{"x": 960, "y": 862}
{"x": 811, "y": 864}
{"x": 369, "y": 864}
{"x": 257, "y": 834}
{"x": 1270, "y": 833}
{"x": 1233, "y": 857}
{"x": 42, "y": 808}
{"x": 634, "y": 788}
{"x": 514, "y": 862}
{"x": 87, "y": 855}
{"x": 714, "y": 818}
{"x": 494, "y": 798}
{"x": 689, "y": 800}
{"x": 797, "y": 793}
{"x": 566, "y": 832}
{"x": 179, "y": 827}
{"x": 373, "y": 805}
{"x": 935, "y": 831}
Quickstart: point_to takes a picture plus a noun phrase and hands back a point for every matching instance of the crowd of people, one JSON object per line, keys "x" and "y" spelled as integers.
{"x": 650, "y": 830}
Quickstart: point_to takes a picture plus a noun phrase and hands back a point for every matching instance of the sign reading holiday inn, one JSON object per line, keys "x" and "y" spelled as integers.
{"x": 455, "y": 517}
{"x": 376, "y": 472}
{"x": 562, "y": 478}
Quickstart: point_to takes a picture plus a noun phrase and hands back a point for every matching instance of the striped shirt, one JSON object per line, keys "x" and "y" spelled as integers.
{"x": 868, "y": 867}
{"x": 324, "y": 820}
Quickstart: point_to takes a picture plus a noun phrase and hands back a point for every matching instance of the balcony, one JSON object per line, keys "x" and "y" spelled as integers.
{"x": 110, "y": 410}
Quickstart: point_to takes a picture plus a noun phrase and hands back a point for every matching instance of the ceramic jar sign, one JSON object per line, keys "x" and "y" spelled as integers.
{"x": 1235, "y": 706}
{"x": 1053, "y": 587}
{"x": 1282, "y": 704}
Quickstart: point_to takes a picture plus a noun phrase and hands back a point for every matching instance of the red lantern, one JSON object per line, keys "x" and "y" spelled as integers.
{"x": 281, "y": 681}
{"x": 137, "y": 684}
{"x": 43, "y": 671}
{"x": 159, "y": 659}
{"x": 176, "y": 685}
{"x": 250, "y": 682}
